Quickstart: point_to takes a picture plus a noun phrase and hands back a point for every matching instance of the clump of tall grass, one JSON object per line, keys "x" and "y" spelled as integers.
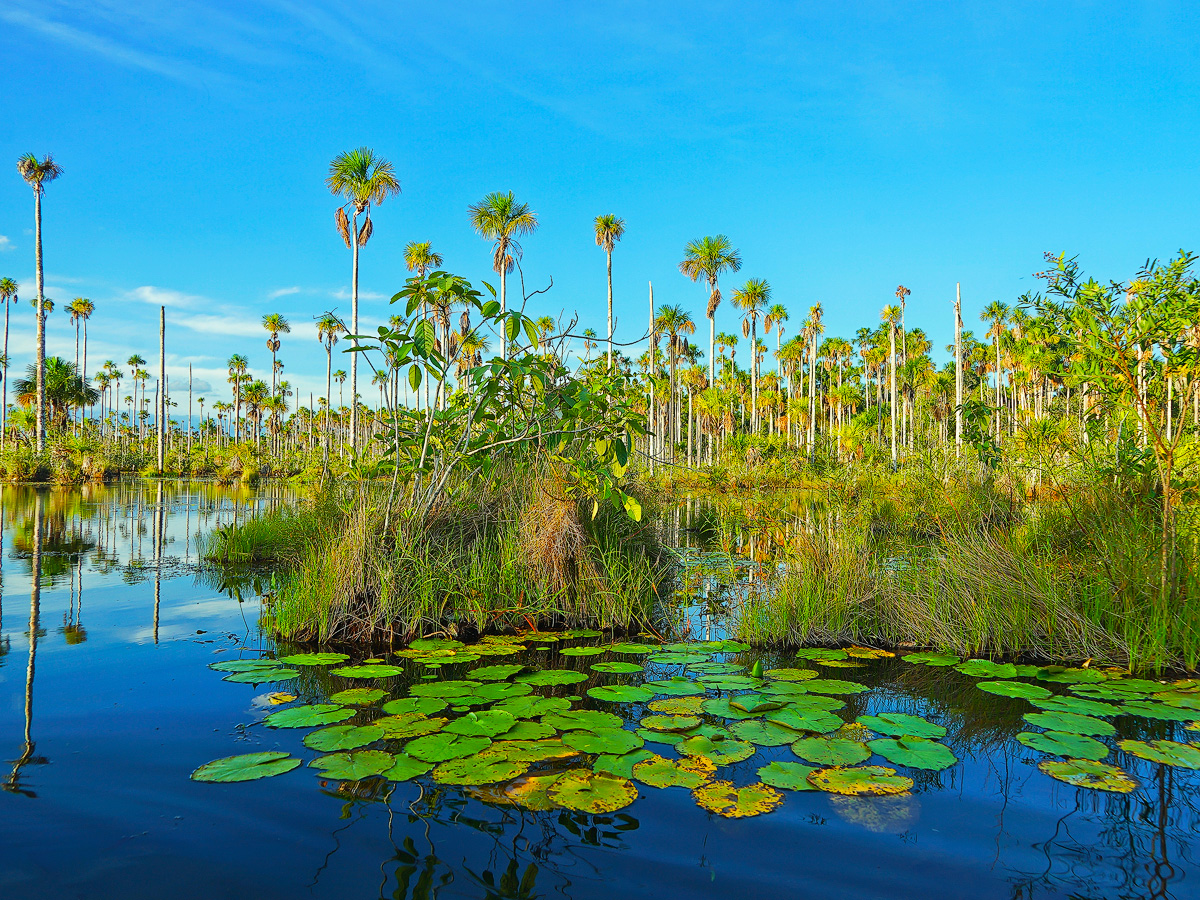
{"x": 282, "y": 534}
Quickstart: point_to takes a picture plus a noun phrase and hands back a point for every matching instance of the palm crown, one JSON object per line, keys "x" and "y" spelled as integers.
{"x": 499, "y": 217}
{"x": 707, "y": 258}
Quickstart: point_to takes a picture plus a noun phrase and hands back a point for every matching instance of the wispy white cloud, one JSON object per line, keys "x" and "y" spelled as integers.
{"x": 229, "y": 325}
{"x": 282, "y": 292}
{"x": 344, "y": 294}
{"x": 5, "y": 243}
{"x": 157, "y": 296}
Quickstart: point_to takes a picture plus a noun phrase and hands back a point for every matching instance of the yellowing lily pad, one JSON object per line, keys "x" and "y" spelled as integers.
{"x": 670, "y": 723}
{"x": 732, "y": 802}
{"x": 721, "y": 752}
{"x": 791, "y": 674}
{"x": 857, "y": 781}
{"x": 1087, "y": 773}
{"x": 479, "y": 769}
{"x": 358, "y": 696}
{"x": 246, "y": 767}
{"x": 376, "y": 670}
{"x": 593, "y": 793}
{"x": 676, "y": 706}
{"x": 409, "y": 726}
{"x": 663, "y": 773}
{"x": 531, "y": 751}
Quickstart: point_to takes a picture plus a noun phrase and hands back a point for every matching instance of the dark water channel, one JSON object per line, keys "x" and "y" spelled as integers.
{"x": 108, "y": 704}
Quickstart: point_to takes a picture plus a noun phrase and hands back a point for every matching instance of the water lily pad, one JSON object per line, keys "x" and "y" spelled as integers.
{"x": 245, "y": 665}
{"x": 410, "y": 725}
{"x": 914, "y": 752}
{"x": 783, "y": 689}
{"x": 246, "y": 767}
{"x": 675, "y": 687}
{"x": 1170, "y": 753}
{"x": 528, "y": 707}
{"x": 811, "y": 703}
{"x": 495, "y": 673}
{"x": 1060, "y": 675}
{"x": 721, "y": 752}
{"x": 721, "y": 706}
{"x": 620, "y": 693}
{"x": 531, "y": 751}
{"x": 859, "y": 781}
{"x": 841, "y": 663}
{"x": 670, "y": 738}
{"x": 582, "y": 720}
{"x": 664, "y": 773}
{"x": 756, "y": 704}
{"x": 729, "y": 682}
{"x": 820, "y": 654}
{"x": 376, "y": 670}
{"x": 262, "y": 675}
{"x": 529, "y": 792}
{"x": 632, "y": 648}
{"x": 342, "y": 737}
{"x": 540, "y": 637}
{"x": 676, "y": 706}
{"x": 406, "y": 768}
{"x": 582, "y": 633}
{"x": 1160, "y": 711}
{"x": 622, "y": 765}
{"x": 679, "y": 659}
{"x": 725, "y": 799}
{"x": 479, "y": 769}
{"x": 526, "y": 731}
{"x": 425, "y": 706}
{"x": 308, "y": 716}
{"x": 1014, "y": 689}
{"x": 901, "y": 724}
{"x": 986, "y": 668}
{"x": 1062, "y": 743}
{"x": 1079, "y": 705}
{"x": 354, "y": 765}
{"x": 932, "y": 659}
{"x": 833, "y": 686}
{"x": 831, "y": 751}
{"x": 446, "y": 689}
{"x": 868, "y": 653}
{"x": 791, "y": 776}
{"x": 313, "y": 659}
{"x": 488, "y": 723}
{"x": 817, "y": 720}
{"x": 670, "y": 723}
{"x": 442, "y": 746}
{"x": 552, "y": 677}
{"x": 496, "y": 690}
{"x": 763, "y": 734}
{"x": 609, "y": 741}
{"x": 358, "y": 696}
{"x": 1187, "y": 701}
{"x": 716, "y": 668}
{"x": 593, "y": 792}
{"x": 1069, "y": 722}
{"x": 617, "y": 667}
{"x": 1087, "y": 773}
{"x": 583, "y": 651}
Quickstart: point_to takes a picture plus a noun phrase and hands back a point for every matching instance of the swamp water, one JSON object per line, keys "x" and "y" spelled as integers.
{"x": 539, "y": 765}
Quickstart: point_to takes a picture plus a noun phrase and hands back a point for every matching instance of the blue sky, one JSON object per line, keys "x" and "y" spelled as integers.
{"x": 844, "y": 148}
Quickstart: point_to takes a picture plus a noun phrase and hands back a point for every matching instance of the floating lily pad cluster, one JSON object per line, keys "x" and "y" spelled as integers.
{"x": 1073, "y": 723}
{"x": 571, "y": 730}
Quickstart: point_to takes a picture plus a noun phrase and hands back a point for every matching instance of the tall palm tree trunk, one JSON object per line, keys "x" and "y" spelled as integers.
{"x": 354, "y": 330}
{"x": 892, "y": 388}
{"x": 610, "y": 321}
{"x": 41, "y": 323}
{"x": 4, "y": 409}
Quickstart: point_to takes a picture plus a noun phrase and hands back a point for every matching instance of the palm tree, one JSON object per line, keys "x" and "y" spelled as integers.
{"x": 81, "y": 310}
{"x": 499, "y": 217}
{"x": 996, "y": 312}
{"x": 609, "y": 230}
{"x": 362, "y": 178}
{"x": 275, "y": 325}
{"x": 815, "y": 312}
{"x": 752, "y": 299}
{"x": 62, "y": 388}
{"x": 37, "y": 174}
{"x": 891, "y": 315}
{"x": 707, "y": 258}
{"x": 133, "y": 362}
{"x": 8, "y": 293}
{"x": 420, "y": 257}
{"x": 775, "y": 318}
{"x": 329, "y": 328}
{"x": 674, "y": 322}
{"x": 237, "y": 366}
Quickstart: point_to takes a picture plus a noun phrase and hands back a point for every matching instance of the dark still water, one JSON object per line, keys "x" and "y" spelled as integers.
{"x": 108, "y": 704}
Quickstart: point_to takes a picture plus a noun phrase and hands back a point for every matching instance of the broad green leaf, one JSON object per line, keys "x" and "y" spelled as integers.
{"x": 721, "y": 752}
{"x": 245, "y": 665}
{"x": 358, "y": 696}
{"x": 667, "y": 658}
{"x": 263, "y": 675}
{"x": 608, "y": 741}
{"x": 314, "y": 659}
{"x": 914, "y": 752}
{"x": 425, "y": 706}
{"x": 342, "y": 737}
{"x": 495, "y": 673}
{"x": 620, "y": 693}
{"x": 820, "y": 654}
{"x": 756, "y": 703}
{"x": 582, "y": 720}
{"x": 933, "y": 659}
{"x": 353, "y": 765}
{"x": 1061, "y": 675}
{"x": 488, "y": 723}
{"x": 594, "y": 793}
{"x": 633, "y": 509}
{"x": 440, "y": 747}
{"x": 986, "y": 668}
{"x": 308, "y": 716}
{"x": 529, "y": 707}
{"x": 409, "y": 725}
{"x": 831, "y": 751}
{"x": 723, "y": 707}
{"x": 1014, "y": 689}
{"x": 617, "y": 667}
{"x": 527, "y": 731}
{"x": 670, "y": 723}
{"x": 901, "y": 724}
{"x": 1070, "y": 722}
{"x": 791, "y": 674}
{"x": 675, "y": 687}
{"x": 663, "y": 773}
{"x": 367, "y": 671}
{"x": 633, "y": 648}
{"x": 1170, "y": 753}
{"x": 833, "y": 686}
{"x": 445, "y": 689}
{"x": 818, "y": 720}
{"x": 551, "y": 677}
{"x": 531, "y": 751}
{"x": 791, "y": 776}
{"x": 406, "y": 768}
{"x": 1160, "y": 711}
{"x": 479, "y": 769}
{"x": 621, "y": 766}
{"x": 583, "y": 651}
{"x": 676, "y": 706}
{"x": 762, "y": 734}
{"x": 1080, "y": 705}
{"x": 246, "y": 767}
{"x": 1062, "y": 743}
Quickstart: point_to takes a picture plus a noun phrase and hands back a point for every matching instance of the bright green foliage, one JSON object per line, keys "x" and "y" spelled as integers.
{"x": 552, "y": 677}
{"x": 901, "y": 724}
{"x": 342, "y": 737}
{"x": 582, "y": 720}
{"x": 914, "y": 752}
{"x": 986, "y": 668}
{"x": 670, "y": 723}
{"x": 1061, "y": 675}
{"x": 354, "y": 765}
{"x": 489, "y": 723}
{"x": 1014, "y": 689}
{"x": 833, "y": 686}
{"x": 762, "y": 734}
{"x": 425, "y": 706}
{"x": 582, "y": 651}
{"x": 530, "y": 751}
{"x": 620, "y": 766}
{"x": 308, "y": 716}
{"x": 358, "y": 696}
{"x": 438, "y": 748}
{"x": 621, "y": 693}
{"x": 480, "y": 769}
{"x": 409, "y": 725}
{"x": 619, "y": 668}
{"x": 1062, "y": 743}
{"x": 723, "y": 706}
{"x": 1078, "y": 705}
{"x": 791, "y": 776}
{"x": 756, "y": 703}
{"x": 406, "y": 768}
{"x": 246, "y": 767}
{"x": 607, "y": 741}
{"x": 1070, "y": 722}
{"x": 819, "y": 654}
{"x": 245, "y": 665}
{"x": 494, "y": 673}
{"x": 721, "y": 752}
{"x": 314, "y": 659}
{"x": 1160, "y": 711}
{"x": 932, "y": 659}
{"x": 817, "y": 720}
{"x": 633, "y": 648}
{"x": 261, "y": 675}
{"x": 859, "y": 781}
{"x": 528, "y": 707}
{"x": 526, "y": 731}
{"x": 663, "y": 773}
{"x": 446, "y": 689}
{"x": 676, "y": 706}
{"x": 376, "y": 670}
{"x": 831, "y": 751}
{"x": 675, "y": 687}
{"x": 1169, "y": 753}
